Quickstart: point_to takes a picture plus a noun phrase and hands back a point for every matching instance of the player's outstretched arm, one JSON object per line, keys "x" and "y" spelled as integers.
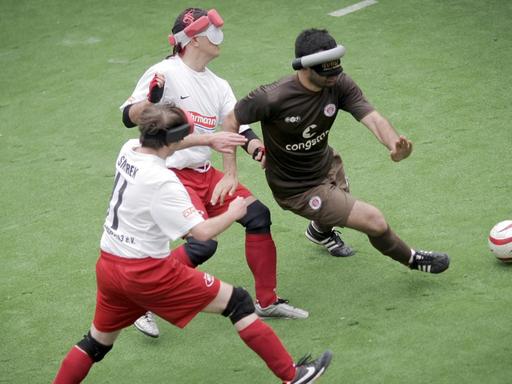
{"x": 218, "y": 224}
{"x": 399, "y": 146}
{"x": 225, "y": 142}
{"x": 229, "y": 182}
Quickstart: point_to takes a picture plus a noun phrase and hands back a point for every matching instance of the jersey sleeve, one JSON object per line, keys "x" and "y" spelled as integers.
{"x": 253, "y": 107}
{"x": 352, "y": 99}
{"x": 173, "y": 211}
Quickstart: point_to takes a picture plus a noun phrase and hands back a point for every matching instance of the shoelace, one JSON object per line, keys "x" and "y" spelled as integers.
{"x": 281, "y": 301}
{"x": 336, "y": 236}
{"x": 304, "y": 360}
{"x": 423, "y": 257}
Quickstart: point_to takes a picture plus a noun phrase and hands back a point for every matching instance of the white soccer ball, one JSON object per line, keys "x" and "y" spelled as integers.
{"x": 500, "y": 241}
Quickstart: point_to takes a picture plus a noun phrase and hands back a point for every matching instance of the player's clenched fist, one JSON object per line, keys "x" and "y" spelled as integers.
{"x": 156, "y": 88}
{"x": 402, "y": 149}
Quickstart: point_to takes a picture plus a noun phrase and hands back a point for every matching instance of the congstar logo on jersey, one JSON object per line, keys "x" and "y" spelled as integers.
{"x": 202, "y": 122}
{"x": 310, "y": 131}
{"x": 312, "y": 138}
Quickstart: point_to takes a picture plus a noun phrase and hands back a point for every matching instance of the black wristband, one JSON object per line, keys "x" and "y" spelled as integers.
{"x": 249, "y": 135}
{"x": 128, "y": 123}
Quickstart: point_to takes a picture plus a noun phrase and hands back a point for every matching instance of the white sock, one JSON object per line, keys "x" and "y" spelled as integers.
{"x": 413, "y": 252}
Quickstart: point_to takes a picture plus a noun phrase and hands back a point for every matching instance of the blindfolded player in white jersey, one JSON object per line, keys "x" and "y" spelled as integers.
{"x": 135, "y": 272}
{"x": 183, "y": 79}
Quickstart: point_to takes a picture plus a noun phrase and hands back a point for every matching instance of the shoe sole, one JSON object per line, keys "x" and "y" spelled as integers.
{"x": 263, "y": 317}
{"x": 267, "y": 317}
{"x": 145, "y": 333}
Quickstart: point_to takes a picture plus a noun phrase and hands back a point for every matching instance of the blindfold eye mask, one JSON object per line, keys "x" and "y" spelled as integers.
{"x": 325, "y": 63}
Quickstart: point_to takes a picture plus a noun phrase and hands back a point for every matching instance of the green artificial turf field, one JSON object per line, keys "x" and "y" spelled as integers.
{"x": 439, "y": 70}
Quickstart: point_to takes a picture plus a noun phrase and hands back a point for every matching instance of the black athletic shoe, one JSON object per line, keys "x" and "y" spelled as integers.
{"x": 309, "y": 370}
{"x": 332, "y": 242}
{"x": 431, "y": 262}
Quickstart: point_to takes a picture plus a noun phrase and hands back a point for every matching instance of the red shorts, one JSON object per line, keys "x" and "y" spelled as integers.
{"x": 200, "y": 187}
{"x": 127, "y": 288}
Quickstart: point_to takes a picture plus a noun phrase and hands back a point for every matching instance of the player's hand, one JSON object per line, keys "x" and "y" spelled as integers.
{"x": 402, "y": 149}
{"x": 225, "y": 142}
{"x": 156, "y": 88}
{"x": 259, "y": 155}
{"x": 226, "y": 186}
{"x": 238, "y": 207}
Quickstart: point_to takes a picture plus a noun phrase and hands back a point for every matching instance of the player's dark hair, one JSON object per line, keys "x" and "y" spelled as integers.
{"x": 156, "y": 120}
{"x": 185, "y": 18}
{"x": 313, "y": 40}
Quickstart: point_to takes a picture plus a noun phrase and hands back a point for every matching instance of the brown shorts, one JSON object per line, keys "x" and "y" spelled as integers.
{"x": 328, "y": 204}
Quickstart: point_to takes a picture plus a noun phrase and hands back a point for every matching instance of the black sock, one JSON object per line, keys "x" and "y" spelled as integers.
{"x": 317, "y": 232}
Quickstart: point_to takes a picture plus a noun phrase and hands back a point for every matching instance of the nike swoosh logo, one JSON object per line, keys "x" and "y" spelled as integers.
{"x": 307, "y": 376}
{"x": 184, "y": 97}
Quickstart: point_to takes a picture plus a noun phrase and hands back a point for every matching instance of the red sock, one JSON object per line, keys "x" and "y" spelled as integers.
{"x": 181, "y": 255}
{"x": 74, "y": 367}
{"x": 262, "y": 340}
{"x": 260, "y": 252}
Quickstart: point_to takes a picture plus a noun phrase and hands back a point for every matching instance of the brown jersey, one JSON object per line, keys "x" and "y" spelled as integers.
{"x": 295, "y": 123}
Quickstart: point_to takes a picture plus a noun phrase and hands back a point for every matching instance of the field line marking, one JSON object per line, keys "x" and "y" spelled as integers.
{"x": 353, "y": 8}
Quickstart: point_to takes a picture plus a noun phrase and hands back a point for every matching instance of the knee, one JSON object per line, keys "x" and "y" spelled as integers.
{"x": 93, "y": 348}
{"x": 376, "y": 223}
{"x": 200, "y": 251}
{"x": 240, "y": 305}
{"x": 257, "y": 219}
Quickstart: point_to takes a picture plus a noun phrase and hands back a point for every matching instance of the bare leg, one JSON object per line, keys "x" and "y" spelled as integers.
{"x": 368, "y": 219}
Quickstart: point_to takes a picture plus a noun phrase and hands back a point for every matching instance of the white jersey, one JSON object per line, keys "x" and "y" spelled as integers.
{"x": 205, "y": 95}
{"x": 149, "y": 206}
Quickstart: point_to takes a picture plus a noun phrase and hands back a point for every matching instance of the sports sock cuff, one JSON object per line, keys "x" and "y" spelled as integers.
{"x": 258, "y": 236}
{"x": 413, "y": 252}
{"x": 320, "y": 231}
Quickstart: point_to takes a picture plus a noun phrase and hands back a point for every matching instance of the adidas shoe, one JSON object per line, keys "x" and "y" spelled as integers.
{"x": 281, "y": 309}
{"x": 147, "y": 325}
{"x": 431, "y": 262}
{"x": 332, "y": 242}
{"x": 309, "y": 370}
